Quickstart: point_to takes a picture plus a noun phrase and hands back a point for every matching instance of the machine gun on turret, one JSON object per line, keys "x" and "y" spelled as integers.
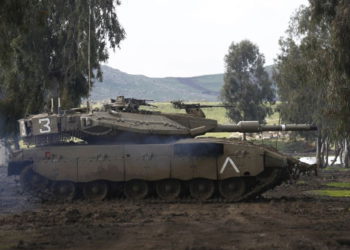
{"x": 195, "y": 108}
{"x": 131, "y": 105}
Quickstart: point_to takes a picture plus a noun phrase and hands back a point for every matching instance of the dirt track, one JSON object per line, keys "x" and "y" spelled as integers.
{"x": 285, "y": 218}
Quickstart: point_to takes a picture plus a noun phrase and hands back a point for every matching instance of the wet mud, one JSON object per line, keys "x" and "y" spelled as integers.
{"x": 284, "y": 218}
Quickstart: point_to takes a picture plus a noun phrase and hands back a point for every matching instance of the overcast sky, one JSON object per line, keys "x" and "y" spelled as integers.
{"x": 191, "y": 37}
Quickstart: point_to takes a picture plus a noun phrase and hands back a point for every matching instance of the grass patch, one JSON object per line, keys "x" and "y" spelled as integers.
{"x": 339, "y": 184}
{"x": 335, "y": 168}
{"x": 217, "y": 135}
{"x": 330, "y": 193}
{"x": 218, "y": 114}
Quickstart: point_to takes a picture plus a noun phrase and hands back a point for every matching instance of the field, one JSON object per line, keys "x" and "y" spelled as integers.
{"x": 313, "y": 213}
{"x": 218, "y": 114}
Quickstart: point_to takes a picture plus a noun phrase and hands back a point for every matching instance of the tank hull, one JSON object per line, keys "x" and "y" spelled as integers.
{"x": 221, "y": 166}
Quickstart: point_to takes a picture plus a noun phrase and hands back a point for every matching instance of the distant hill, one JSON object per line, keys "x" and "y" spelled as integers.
{"x": 116, "y": 82}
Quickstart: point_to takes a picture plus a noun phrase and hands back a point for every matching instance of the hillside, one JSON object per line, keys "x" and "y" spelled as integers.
{"x": 199, "y": 88}
{"x": 116, "y": 82}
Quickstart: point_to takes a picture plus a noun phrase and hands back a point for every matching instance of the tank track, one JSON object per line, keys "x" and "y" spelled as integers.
{"x": 261, "y": 185}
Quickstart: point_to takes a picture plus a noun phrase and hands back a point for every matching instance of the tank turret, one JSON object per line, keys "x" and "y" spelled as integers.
{"x": 122, "y": 119}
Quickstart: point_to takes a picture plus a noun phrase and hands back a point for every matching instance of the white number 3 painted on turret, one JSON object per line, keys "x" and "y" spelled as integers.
{"x": 44, "y": 125}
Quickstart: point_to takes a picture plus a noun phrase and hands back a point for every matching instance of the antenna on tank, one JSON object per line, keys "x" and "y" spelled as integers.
{"x": 58, "y": 105}
{"x": 51, "y": 105}
{"x": 89, "y": 63}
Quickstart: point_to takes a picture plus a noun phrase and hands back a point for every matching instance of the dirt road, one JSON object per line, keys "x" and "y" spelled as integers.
{"x": 285, "y": 218}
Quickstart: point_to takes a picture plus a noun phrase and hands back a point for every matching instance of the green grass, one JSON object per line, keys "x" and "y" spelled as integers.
{"x": 335, "y": 168}
{"x": 330, "y": 193}
{"x": 218, "y": 114}
{"x": 343, "y": 190}
{"x": 217, "y": 135}
{"x": 339, "y": 184}
{"x": 301, "y": 183}
{"x": 274, "y": 118}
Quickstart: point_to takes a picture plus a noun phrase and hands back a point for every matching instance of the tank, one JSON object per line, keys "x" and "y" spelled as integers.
{"x": 121, "y": 149}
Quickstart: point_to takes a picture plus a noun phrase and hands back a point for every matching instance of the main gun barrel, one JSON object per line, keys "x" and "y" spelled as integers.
{"x": 255, "y": 127}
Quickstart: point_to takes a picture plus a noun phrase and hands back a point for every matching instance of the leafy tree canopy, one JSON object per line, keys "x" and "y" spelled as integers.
{"x": 312, "y": 74}
{"x": 246, "y": 83}
{"x": 320, "y": 34}
{"x": 44, "y": 52}
{"x": 335, "y": 16}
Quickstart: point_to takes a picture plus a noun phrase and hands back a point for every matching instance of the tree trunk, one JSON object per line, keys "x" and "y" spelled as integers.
{"x": 341, "y": 151}
{"x": 346, "y": 154}
{"x": 326, "y": 153}
{"x": 322, "y": 152}
{"x": 318, "y": 150}
{"x": 3, "y": 156}
{"x": 336, "y": 153}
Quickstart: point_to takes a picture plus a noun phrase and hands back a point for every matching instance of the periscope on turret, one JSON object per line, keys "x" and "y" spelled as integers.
{"x": 138, "y": 150}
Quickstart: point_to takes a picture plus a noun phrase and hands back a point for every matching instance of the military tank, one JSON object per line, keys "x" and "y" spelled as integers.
{"x": 121, "y": 148}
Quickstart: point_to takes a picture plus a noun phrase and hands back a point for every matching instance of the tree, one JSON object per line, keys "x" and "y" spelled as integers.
{"x": 300, "y": 72}
{"x": 305, "y": 80}
{"x": 247, "y": 86}
{"x": 44, "y": 52}
{"x": 335, "y": 15}
{"x": 301, "y": 94}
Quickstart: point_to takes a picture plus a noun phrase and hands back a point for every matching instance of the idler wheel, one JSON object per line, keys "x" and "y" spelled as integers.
{"x": 168, "y": 189}
{"x": 269, "y": 175}
{"x": 96, "y": 190}
{"x": 201, "y": 189}
{"x": 64, "y": 190}
{"x": 136, "y": 189}
{"x": 232, "y": 189}
{"x": 31, "y": 181}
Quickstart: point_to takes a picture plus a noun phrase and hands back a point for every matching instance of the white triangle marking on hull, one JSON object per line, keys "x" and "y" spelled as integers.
{"x": 229, "y": 160}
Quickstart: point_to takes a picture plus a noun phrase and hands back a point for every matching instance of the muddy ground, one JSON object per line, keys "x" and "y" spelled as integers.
{"x": 285, "y": 218}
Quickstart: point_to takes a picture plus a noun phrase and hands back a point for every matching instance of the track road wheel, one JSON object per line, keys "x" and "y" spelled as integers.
{"x": 232, "y": 189}
{"x": 136, "y": 189}
{"x": 169, "y": 189}
{"x": 64, "y": 190}
{"x": 31, "y": 181}
{"x": 201, "y": 189}
{"x": 96, "y": 190}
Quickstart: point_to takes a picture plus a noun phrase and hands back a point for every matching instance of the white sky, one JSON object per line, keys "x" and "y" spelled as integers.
{"x": 191, "y": 37}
